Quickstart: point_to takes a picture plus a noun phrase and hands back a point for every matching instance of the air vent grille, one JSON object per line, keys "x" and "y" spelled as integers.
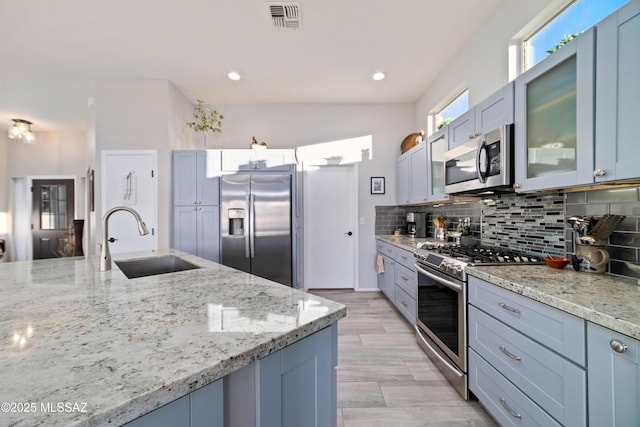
{"x": 285, "y": 16}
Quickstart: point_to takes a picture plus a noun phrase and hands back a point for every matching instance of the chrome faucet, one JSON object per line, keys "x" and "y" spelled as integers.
{"x": 105, "y": 256}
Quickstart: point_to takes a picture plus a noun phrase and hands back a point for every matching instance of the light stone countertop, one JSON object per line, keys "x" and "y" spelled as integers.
{"x": 609, "y": 301}
{"x": 125, "y": 347}
{"x": 409, "y": 243}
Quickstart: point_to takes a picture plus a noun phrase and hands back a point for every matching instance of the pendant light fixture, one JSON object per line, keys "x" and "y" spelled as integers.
{"x": 21, "y": 129}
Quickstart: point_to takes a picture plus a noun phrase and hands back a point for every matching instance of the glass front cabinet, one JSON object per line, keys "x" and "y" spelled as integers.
{"x": 554, "y": 119}
{"x": 437, "y": 145}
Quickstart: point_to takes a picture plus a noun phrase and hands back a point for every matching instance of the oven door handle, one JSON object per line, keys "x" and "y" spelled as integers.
{"x": 448, "y": 283}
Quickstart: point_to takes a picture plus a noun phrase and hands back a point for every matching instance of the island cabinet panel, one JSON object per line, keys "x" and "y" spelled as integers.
{"x": 196, "y": 200}
{"x": 297, "y": 385}
{"x": 618, "y": 95}
{"x": 201, "y": 408}
{"x": 614, "y": 377}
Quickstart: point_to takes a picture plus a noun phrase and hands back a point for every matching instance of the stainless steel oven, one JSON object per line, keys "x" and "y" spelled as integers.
{"x": 442, "y": 322}
{"x": 441, "y": 326}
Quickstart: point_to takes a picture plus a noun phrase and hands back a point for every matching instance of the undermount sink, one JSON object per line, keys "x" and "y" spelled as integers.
{"x": 143, "y": 267}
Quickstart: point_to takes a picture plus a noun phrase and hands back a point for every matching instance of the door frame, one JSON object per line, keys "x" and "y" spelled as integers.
{"x": 28, "y": 198}
{"x": 353, "y": 208}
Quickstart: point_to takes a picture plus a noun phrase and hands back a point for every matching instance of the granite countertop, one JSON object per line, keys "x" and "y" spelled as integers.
{"x": 409, "y": 243}
{"x": 114, "y": 349}
{"x": 609, "y": 301}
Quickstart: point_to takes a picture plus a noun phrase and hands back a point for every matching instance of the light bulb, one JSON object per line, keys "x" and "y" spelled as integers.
{"x": 14, "y": 132}
{"x": 22, "y": 127}
{"x": 29, "y": 137}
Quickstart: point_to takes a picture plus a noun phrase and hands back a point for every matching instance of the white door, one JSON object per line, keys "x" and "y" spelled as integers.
{"x": 129, "y": 179}
{"x": 330, "y": 226}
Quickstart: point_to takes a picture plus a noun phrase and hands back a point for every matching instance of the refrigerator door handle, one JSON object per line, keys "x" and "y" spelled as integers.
{"x": 247, "y": 233}
{"x": 252, "y": 224}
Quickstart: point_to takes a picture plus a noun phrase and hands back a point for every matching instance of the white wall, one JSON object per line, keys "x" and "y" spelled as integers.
{"x": 4, "y": 174}
{"x": 141, "y": 115}
{"x": 483, "y": 65}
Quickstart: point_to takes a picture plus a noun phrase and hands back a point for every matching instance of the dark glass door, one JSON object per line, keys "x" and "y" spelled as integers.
{"x": 52, "y": 218}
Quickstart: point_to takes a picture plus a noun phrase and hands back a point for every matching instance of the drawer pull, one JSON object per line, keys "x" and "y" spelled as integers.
{"x": 405, "y": 304}
{"x": 513, "y": 413}
{"x": 617, "y": 346}
{"x": 506, "y": 307}
{"x": 405, "y": 278}
{"x": 509, "y": 354}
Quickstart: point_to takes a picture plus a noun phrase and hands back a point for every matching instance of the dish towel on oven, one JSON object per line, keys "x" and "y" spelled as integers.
{"x": 380, "y": 264}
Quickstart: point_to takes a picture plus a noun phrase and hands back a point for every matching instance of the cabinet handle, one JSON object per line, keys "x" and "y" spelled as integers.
{"x": 404, "y": 303}
{"x": 506, "y": 307}
{"x": 405, "y": 278}
{"x": 513, "y": 413}
{"x": 508, "y": 354}
{"x": 617, "y": 346}
{"x": 599, "y": 173}
{"x": 516, "y": 186}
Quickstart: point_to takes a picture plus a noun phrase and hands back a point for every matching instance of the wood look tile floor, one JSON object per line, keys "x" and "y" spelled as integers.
{"x": 384, "y": 378}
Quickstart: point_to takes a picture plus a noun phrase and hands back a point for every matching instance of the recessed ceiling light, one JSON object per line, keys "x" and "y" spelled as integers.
{"x": 233, "y": 75}
{"x": 379, "y": 75}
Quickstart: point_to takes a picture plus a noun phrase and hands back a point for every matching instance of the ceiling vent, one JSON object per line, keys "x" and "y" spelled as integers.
{"x": 286, "y": 16}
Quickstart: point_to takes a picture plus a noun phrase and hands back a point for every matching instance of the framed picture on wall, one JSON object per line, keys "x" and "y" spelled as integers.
{"x": 377, "y": 185}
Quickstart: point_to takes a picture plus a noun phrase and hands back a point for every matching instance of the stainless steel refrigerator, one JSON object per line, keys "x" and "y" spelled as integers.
{"x": 255, "y": 212}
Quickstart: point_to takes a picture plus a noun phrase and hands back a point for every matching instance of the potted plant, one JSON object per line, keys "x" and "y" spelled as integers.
{"x": 206, "y": 120}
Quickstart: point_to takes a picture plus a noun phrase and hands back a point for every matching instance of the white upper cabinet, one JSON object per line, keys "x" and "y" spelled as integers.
{"x": 618, "y": 95}
{"x": 490, "y": 114}
{"x": 554, "y": 116}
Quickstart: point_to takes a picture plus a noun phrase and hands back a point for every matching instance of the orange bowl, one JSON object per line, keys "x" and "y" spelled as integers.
{"x": 557, "y": 262}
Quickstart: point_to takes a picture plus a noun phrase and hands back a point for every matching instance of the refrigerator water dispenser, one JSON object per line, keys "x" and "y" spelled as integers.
{"x": 236, "y": 222}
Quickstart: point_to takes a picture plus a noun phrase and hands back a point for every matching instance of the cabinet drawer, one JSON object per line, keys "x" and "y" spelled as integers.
{"x": 405, "y": 304}
{"x": 405, "y": 258}
{"x": 406, "y": 279}
{"x": 554, "y": 383}
{"x": 386, "y": 249}
{"x": 560, "y": 331}
{"x": 508, "y": 405}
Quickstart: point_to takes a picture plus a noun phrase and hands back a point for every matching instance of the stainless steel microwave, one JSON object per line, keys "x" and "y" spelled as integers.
{"x": 484, "y": 164}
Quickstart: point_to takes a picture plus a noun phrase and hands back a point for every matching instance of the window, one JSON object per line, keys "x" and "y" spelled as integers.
{"x": 453, "y": 110}
{"x": 580, "y": 15}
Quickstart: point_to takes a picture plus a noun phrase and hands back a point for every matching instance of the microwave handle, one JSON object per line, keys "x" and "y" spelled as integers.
{"x": 482, "y": 148}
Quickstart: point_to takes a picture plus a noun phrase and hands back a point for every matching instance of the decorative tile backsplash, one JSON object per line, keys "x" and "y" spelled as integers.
{"x": 536, "y": 223}
{"x": 532, "y": 223}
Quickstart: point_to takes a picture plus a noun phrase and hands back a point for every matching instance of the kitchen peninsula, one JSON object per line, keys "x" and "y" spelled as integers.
{"x": 83, "y": 347}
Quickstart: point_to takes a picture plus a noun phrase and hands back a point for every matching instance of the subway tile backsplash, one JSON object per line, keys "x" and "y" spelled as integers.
{"x": 536, "y": 223}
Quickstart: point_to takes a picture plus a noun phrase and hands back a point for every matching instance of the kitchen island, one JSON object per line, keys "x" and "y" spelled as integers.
{"x": 111, "y": 349}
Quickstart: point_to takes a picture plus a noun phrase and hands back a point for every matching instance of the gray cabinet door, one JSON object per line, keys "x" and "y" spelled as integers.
{"x": 403, "y": 180}
{"x": 208, "y": 230}
{"x": 495, "y": 111}
{"x": 184, "y": 176}
{"x": 298, "y": 383}
{"x": 418, "y": 174}
{"x": 193, "y": 179}
{"x": 185, "y": 229}
{"x": 462, "y": 129}
{"x": 618, "y": 95}
{"x": 613, "y": 378}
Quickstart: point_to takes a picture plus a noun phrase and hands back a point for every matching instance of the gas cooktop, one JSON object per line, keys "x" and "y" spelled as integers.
{"x": 451, "y": 259}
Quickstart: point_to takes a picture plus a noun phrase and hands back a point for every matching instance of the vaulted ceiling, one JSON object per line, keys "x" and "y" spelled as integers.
{"x": 52, "y": 52}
